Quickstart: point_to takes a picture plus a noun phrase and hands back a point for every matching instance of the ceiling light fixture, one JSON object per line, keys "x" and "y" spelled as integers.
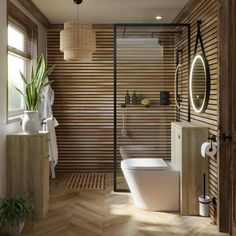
{"x": 158, "y": 17}
{"x": 77, "y": 40}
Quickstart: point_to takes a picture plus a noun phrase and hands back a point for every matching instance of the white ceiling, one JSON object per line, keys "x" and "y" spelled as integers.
{"x": 111, "y": 11}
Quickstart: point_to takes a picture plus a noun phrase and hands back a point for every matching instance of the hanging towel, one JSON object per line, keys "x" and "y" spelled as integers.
{"x": 46, "y": 115}
{"x": 53, "y": 152}
{"x": 46, "y": 102}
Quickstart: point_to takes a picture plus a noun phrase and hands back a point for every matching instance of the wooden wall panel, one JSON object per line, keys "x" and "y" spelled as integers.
{"x": 83, "y": 105}
{"x": 84, "y": 102}
{"x": 207, "y": 11}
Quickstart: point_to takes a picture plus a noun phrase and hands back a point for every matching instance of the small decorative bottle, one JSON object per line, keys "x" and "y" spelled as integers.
{"x": 127, "y": 98}
{"x": 134, "y": 98}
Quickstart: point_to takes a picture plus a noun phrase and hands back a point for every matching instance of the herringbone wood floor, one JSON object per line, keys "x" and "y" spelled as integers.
{"x": 105, "y": 213}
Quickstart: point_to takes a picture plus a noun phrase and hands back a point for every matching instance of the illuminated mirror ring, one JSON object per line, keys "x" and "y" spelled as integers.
{"x": 177, "y": 97}
{"x": 199, "y": 83}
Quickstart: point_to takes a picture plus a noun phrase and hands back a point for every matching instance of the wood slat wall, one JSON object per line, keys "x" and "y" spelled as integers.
{"x": 83, "y": 105}
{"x": 84, "y": 101}
{"x": 207, "y": 11}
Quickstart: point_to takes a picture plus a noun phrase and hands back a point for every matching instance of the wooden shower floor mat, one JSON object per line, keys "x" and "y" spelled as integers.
{"x": 86, "y": 181}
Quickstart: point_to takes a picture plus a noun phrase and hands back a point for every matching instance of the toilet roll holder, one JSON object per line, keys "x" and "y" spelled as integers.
{"x": 212, "y": 140}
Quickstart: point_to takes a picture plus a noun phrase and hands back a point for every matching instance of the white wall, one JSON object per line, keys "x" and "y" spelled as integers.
{"x": 14, "y": 127}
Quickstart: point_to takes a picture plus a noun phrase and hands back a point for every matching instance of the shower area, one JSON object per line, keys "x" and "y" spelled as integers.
{"x": 151, "y": 66}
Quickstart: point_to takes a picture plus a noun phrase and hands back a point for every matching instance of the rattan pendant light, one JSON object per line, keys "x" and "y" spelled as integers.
{"x": 77, "y": 40}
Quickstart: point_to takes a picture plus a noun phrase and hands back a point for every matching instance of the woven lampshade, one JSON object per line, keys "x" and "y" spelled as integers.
{"x": 77, "y": 41}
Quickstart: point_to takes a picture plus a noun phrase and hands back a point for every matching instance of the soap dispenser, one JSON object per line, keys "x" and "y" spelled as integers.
{"x": 127, "y": 98}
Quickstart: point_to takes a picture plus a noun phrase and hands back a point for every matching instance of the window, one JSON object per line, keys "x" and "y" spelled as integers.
{"x": 19, "y": 59}
{"x": 22, "y": 52}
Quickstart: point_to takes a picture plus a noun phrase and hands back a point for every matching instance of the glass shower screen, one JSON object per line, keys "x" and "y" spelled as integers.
{"x": 144, "y": 100}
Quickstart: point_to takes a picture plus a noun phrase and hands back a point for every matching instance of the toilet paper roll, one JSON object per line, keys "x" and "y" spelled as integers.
{"x": 206, "y": 149}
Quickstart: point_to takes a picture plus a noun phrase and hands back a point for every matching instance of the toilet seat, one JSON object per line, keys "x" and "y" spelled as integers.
{"x": 144, "y": 164}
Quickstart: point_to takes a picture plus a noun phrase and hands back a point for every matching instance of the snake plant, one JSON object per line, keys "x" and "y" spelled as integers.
{"x": 35, "y": 83}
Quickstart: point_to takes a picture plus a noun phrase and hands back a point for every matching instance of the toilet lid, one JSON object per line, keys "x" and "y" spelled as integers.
{"x": 144, "y": 164}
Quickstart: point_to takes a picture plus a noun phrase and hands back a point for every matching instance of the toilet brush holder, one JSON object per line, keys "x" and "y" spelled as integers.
{"x": 204, "y": 203}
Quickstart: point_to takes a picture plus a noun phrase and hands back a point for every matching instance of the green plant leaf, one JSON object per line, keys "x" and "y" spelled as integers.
{"x": 32, "y": 73}
{"x": 49, "y": 71}
{"x": 29, "y": 93}
{"x": 35, "y": 83}
{"x": 48, "y": 83}
{"x": 23, "y": 77}
{"x": 40, "y": 70}
{"x": 25, "y": 97}
{"x": 40, "y": 66}
{"x": 20, "y": 92}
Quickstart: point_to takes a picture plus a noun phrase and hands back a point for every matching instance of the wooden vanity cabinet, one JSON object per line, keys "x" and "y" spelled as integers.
{"x": 28, "y": 169}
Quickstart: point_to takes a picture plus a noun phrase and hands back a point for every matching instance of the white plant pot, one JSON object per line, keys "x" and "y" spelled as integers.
{"x": 31, "y": 122}
{"x": 204, "y": 205}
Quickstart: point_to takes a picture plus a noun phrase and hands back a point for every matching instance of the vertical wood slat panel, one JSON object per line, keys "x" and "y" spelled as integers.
{"x": 83, "y": 105}
{"x": 206, "y": 11}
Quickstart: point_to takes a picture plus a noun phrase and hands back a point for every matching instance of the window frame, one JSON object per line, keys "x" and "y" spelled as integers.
{"x": 14, "y": 14}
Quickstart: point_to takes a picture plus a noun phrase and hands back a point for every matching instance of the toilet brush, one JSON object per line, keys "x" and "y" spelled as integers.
{"x": 204, "y": 186}
{"x": 204, "y": 200}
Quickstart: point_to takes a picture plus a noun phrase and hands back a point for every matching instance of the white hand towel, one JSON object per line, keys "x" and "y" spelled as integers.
{"x": 46, "y": 102}
{"x": 53, "y": 151}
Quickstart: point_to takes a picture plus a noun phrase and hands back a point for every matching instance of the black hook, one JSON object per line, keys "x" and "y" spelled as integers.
{"x": 212, "y": 139}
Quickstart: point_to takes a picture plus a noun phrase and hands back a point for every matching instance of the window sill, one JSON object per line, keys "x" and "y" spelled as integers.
{"x": 13, "y": 119}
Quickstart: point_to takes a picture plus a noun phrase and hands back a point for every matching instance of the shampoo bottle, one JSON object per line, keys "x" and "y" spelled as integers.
{"x": 134, "y": 98}
{"x": 127, "y": 98}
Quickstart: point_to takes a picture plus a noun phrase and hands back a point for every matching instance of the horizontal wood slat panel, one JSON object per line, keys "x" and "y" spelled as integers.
{"x": 206, "y": 11}
{"x": 84, "y": 101}
{"x": 83, "y": 105}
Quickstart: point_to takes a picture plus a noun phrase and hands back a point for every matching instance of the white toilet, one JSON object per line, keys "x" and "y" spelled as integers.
{"x": 153, "y": 183}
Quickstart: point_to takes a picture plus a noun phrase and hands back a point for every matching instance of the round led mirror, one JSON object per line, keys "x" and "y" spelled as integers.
{"x": 178, "y": 86}
{"x": 199, "y": 84}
